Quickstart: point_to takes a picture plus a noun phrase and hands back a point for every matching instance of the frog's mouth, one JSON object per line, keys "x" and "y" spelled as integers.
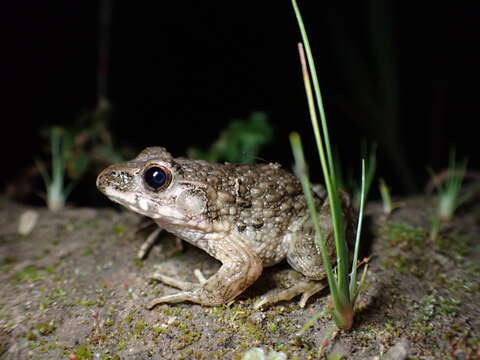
{"x": 126, "y": 199}
{"x": 144, "y": 206}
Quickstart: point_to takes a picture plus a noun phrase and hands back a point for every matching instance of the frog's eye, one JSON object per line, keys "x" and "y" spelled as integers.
{"x": 157, "y": 177}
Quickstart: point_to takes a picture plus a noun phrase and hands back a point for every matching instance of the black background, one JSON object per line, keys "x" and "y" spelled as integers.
{"x": 180, "y": 70}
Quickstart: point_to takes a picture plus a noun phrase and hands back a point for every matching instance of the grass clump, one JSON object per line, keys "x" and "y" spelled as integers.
{"x": 343, "y": 283}
{"x": 448, "y": 198}
{"x": 448, "y": 190}
{"x": 57, "y": 191}
{"x": 72, "y": 152}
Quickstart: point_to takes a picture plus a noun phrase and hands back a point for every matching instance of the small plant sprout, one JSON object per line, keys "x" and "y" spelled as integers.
{"x": 386, "y": 198}
{"x": 61, "y": 143}
{"x": 448, "y": 198}
{"x": 343, "y": 284}
{"x": 448, "y": 189}
{"x": 72, "y": 150}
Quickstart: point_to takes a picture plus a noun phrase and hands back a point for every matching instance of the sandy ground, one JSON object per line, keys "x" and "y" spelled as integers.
{"x": 74, "y": 289}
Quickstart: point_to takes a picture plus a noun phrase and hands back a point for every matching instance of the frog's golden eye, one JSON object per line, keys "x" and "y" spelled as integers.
{"x": 157, "y": 177}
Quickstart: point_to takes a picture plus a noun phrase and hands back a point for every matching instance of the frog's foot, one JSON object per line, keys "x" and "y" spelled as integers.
{"x": 188, "y": 287}
{"x": 240, "y": 268}
{"x": 148, "y": 243}
{"x": 304, "y": 288}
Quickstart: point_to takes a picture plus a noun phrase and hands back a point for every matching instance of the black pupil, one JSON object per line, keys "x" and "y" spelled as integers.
{"x": 155, "y": 177}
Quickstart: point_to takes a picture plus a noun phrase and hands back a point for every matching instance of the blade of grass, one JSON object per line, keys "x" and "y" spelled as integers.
{"x": 318, "y": 95}
{"x": 302, "y": 173}
{"x": 331, "y": 185}
{"x": 353, "y": 276}
{"x": 361, "y": 284}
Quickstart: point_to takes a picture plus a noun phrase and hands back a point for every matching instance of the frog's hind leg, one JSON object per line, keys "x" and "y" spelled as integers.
{"x": 240, "y": 268}
{"x": 303, "y": 256}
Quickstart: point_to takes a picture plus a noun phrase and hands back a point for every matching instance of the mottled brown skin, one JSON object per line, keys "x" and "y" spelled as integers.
{"x": 246, "y": 216}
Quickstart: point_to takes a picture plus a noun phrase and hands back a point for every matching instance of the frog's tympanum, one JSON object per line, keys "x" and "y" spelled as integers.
{"x": 246, "y": 216}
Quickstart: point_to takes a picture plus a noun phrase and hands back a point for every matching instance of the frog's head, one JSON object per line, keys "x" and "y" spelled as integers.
{"x": 153, "y": 185}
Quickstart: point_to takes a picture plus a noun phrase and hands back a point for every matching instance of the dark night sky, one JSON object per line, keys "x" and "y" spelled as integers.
{"x": 180, "y": 70}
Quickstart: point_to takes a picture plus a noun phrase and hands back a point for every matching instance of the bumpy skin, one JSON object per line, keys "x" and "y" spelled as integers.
{"x": 246, "y": 216}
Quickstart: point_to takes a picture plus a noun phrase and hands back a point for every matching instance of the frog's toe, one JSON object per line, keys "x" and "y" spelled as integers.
{"x": 305, "y": 288}
{"x": 173, "y": 298}
{"x": 176, "y": 283}
{"x": 312, "y": 290}
{"x": 199, "y": 295}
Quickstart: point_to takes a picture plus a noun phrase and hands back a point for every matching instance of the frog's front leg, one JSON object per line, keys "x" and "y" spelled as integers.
{"x": 240, "y": 268}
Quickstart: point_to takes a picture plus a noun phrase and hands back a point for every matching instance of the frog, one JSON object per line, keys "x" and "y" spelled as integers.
{"x": 247, "y": 216}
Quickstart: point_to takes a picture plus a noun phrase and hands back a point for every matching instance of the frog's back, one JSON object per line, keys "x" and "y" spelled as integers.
{"x": 261, "y": 201}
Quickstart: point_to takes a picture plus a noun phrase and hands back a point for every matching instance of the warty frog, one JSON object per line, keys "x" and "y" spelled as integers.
{"x": 246, "y": 216}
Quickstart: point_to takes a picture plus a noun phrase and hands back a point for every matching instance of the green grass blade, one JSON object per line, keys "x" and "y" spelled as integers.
{"x": 302, "y": 173}
{"x": 318, "y": 95}
{"x": 361, "y": 284}
{"x": 370, "y": 168}
{"x": 330, "y": 183}
{"x": 353, "y": 276}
